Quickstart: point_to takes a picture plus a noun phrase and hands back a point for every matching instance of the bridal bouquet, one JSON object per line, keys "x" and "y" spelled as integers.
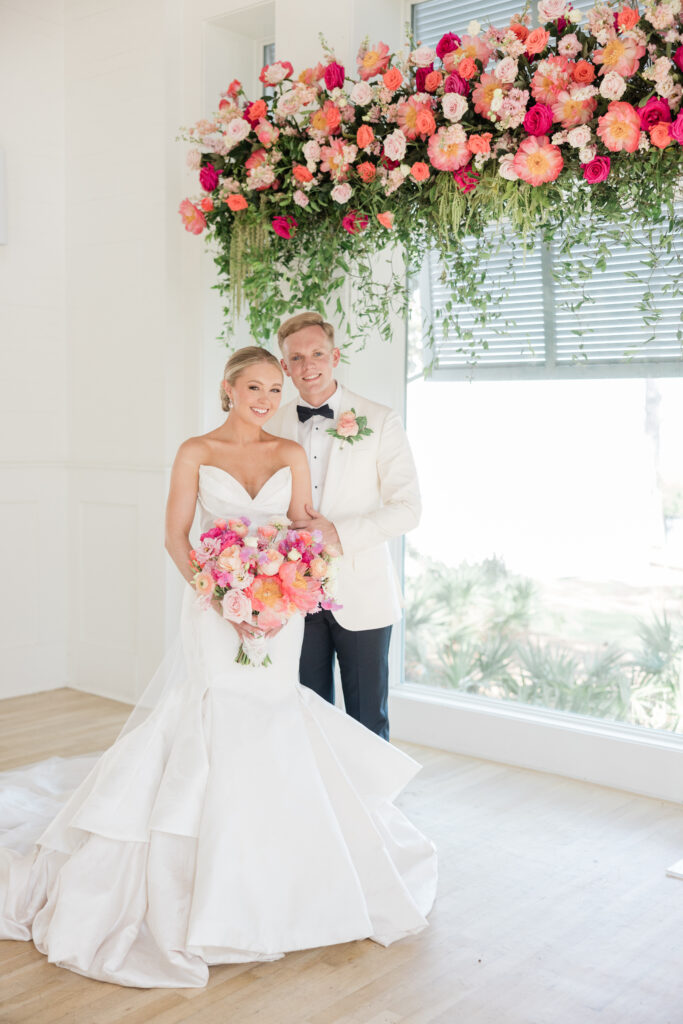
{"x": 263, "y": 575}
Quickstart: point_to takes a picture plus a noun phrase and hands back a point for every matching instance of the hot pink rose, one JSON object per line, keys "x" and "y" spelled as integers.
{"x": 454, "y": 83}
{"x": 334, "y": 75}
{"x": 420, "y": 77}
{"x": 447, "y": 44}
{"x": 236, "y": 606}
{"x": 678, "y": 58}
{"x": 538, "y": 119}
{"x": 597, "y": 170}
{"x": 208, "y": 177}
{"x": 466, "y": 178}
{"x": 355, "y": 222}
{"x": 654, "y": 111}
{"x": 347, "y": 425}
{"x": 285, "y": 227}
{"x": 677, "y": 129}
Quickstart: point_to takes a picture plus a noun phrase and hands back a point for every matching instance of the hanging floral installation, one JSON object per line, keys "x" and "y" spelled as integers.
{"x": 569, "y": 130}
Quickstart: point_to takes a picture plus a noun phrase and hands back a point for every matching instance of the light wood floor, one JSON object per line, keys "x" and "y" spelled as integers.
{"x": 553, "y": 908}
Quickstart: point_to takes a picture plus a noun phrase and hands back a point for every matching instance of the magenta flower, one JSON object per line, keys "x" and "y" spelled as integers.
{"x": 454, "y": 83}
{"x": 538, "y": 119}
{"x": 334, "y": 75}
{"x": 678, "y": 58}
{"x": 355, "y": 222}
{"x": 447, "y": 44}
{"x": 208, "y": 177}
{"x": 466, "y": 178}
{"x": 597, "y": 169}
{"x": 420, "y": 76}
{"x": 654, "y": 111}
{"x": 677, "y": 129}
{"x": 285, "y": 227}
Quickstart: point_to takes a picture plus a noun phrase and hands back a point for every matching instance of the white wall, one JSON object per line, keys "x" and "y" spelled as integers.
{"x": 33, "y": 352}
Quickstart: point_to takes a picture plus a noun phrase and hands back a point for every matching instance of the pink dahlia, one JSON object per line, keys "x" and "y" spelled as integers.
{"x": 552, "y": 76}
{"x": 570, "y": 111}
{"x": 448, "y": 149}
{"x": 537, "y": 160}
{"x": 482, "y": 94}
{"x": 619, "y": 128}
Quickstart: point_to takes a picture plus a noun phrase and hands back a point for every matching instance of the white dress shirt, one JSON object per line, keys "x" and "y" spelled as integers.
{"x": 317, "y": 443}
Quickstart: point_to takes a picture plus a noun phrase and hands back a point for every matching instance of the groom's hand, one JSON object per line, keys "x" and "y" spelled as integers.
{"x": 318, "y": 522}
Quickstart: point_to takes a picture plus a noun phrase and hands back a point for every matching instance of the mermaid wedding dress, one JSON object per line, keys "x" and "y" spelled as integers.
{"x": 241, "y": 817}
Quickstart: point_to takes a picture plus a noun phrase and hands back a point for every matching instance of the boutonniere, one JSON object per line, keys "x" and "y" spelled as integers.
{"x": 350, "y": 428}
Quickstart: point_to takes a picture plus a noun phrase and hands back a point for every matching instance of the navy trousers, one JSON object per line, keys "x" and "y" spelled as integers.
{"x": 363, "y": 657}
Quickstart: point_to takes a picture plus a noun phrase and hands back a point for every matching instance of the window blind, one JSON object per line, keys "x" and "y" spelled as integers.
{"x": 537, "y": 333}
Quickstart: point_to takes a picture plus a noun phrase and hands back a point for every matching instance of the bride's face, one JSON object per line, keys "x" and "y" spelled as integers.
{"x": 256, "y": 393}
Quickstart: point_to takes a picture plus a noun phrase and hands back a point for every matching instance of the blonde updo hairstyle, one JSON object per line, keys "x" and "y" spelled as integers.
{"x": 240, "y": 361}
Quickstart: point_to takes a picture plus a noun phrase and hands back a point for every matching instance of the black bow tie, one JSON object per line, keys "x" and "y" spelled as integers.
{"x": 304, "y": 412}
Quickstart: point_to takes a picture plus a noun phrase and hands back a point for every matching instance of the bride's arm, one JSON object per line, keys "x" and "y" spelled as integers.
{"x": 180, "y": 507}
{"x": 301, "y": 482}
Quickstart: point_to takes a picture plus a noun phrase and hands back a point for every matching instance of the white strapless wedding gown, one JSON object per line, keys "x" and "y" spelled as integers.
{"x": 243, "y": 817}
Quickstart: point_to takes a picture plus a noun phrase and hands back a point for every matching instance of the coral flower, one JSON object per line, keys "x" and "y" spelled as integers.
{"x": 537, "y": 160}
{"x": 480, "y": 143}
{"x": 236, "y": 202}
{"x": 392, "y": 79}
{"x": 471, "y": 46}
{"x": 627, "y": 18}
{"x": 583, "y": 72}
{"x": 448, "y": 149}
{"x": 420, "y": 171}
{"x": 302, "y": 591}
{"x": 570, "y": 111}
{"x": 620, "y": 55}
{"x": 372, "y": 61}
{"x": 467, "y": 68}
{"x": 551, "y": 77}
{"x": 660, "y": 135}
{"x": 619, "y": 128}
{"x": 267, "y": 592}
{"x": 386, "y": 219}
{"x": 327, "y": 119}
{"x": 536, "y": 41}
{"x": 482, "y": 94}
{"x": 302, "y": 173}
{"x": 365, "y": 136}
{"x": 406, "y": 116}
{"x": 366, "y": 171}
{"x": 194, "y": 220}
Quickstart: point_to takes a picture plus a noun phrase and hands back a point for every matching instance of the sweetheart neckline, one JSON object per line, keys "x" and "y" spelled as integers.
{"x": 208, "y": 465}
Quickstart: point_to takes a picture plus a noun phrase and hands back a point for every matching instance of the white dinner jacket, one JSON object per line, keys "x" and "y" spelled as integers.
{"x": 371, "y": 494}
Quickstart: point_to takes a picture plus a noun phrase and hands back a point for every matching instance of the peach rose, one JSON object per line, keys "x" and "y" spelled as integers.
{"x": 583, "y": 72}
{"x": 536, "y": 41}
{"x": 480, "y": 143}
{"x": 392, "y": 79}
{"x": 386, "y": 219}
{"x": 660, "y": 135}
{"x": 301, "y": 173}
{"x": 270, "y": 564}
{"x": 627, "y": 19}
{"x": 229, "y": 559}
{"x": 425, "y": 123}
{"x": 433, "y": 81}
{"x": 467, "y": 68}
{"x": 365, "y": 136}
{"x": 203, "y": 584}
{"x": 420, "y": 171}
{"x": 347, "y": 425}
{"x": 236, "y": 202}
{"x": 318, "y": 568}
{"x": 366, "y": 171}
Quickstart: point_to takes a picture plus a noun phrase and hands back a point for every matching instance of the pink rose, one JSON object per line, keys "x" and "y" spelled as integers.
{"x": 447, "y": 44}
{"x": 318, "y": 568}
{"x": 236, "y": 606}
{"x": 454, "y": 83}
{"x": 538, "y": 119}
{"x": 193, "y": 219}
{"x": 334, "y": 75}
{"x": 654, "y": 111}
{"x": 355, "y": 222}
{"x": 341, "y": 193}
{"x": 347, "y": 425}
{"x": 597, "y": 170}
{"x": 285, "y": 227}
{"x": 677, "y": 129}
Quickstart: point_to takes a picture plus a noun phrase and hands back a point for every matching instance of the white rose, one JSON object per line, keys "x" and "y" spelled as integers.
{"x": 612, "y": 86}
{"x": 496, "y": 100}
{"x": 575, "y": 16}
{"x": 294, "y": 555}
{"x": 275, "y": 74}
{"x": 288, "y": 104}
{"x": 238, "y": 129}
{"x": 311, "y": 151}
{"x": 342, "y": 193}
{"x": 665, "y": 87}
{"x": 505, "y": 168}
{"x": 559, "y": 138}
{"x": 454, "y": 106}
{"x": 588, "y": 153}
{"x": 551, "y": 10}
{"x": 507, "y": 70}
{"x": 423, "y": 56}
{"x": 579, "y": 136}
{"x": 300, "y": 198}
{"x": 250, "y": 542}
{"x": 361, "y": 94}
{"x": 395, "y": 145}
{"x": 474, "y": 28}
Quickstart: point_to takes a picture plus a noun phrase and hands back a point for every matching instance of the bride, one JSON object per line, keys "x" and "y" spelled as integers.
{"x": 238, "y": 816}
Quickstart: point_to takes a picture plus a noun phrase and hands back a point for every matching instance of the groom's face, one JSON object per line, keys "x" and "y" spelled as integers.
{"x": 310, "y": 358}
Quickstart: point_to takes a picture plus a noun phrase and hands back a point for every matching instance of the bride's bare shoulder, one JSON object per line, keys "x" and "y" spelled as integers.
{"x": 291, "y": 451}
{"x": 194, "y": 450}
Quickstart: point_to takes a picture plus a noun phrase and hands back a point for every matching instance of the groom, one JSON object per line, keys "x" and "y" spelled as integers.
{"x": 365, "y": 492}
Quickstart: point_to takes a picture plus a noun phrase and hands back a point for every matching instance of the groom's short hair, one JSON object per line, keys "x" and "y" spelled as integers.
{"x": 301, "y": 320}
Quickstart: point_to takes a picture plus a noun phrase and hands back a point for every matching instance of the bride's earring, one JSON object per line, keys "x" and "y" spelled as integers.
{"x": 227, "y": 395}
